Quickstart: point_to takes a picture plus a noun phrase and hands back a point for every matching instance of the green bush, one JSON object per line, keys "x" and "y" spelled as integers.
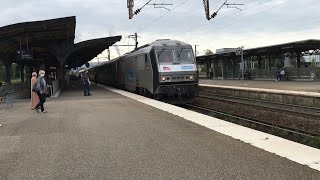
{"x": 15, "y": 72}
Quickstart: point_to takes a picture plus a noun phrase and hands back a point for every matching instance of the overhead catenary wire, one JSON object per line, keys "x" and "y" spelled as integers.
{"x": 260, "y": 12}
{"x": 136, "y": 12}
{"x": 250, "y": 8}
{"x": 314, "y": 31}
{"x": 207, "y": 23}
{"x": 190, "y": 15}
{"x": 136, "y": 19}
{"x": 148, "y": 25}
{"x": 279, "y": 31}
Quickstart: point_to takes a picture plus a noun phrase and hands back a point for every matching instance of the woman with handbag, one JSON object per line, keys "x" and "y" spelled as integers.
{"x": 34, "y": 96}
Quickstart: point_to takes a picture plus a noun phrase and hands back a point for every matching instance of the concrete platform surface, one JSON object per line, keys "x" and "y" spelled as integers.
{"x": 109, "y": 136}
{"x": 308, "y": 86}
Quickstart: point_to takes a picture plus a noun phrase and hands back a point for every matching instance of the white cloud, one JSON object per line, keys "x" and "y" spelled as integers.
{"x": 262, "y": 22}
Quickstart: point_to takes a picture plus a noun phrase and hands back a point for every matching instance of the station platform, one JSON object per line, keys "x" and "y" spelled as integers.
{"x": 114, "y": 134}
{"x": 306, "y": 86}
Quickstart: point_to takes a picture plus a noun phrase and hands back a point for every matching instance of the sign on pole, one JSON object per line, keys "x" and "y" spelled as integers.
{"x": 239, "y": 52}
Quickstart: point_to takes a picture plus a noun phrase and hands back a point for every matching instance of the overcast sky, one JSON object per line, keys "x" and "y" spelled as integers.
{"x": 260, "y": 23}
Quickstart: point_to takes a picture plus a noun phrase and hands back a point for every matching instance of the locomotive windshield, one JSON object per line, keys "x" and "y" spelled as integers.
{"x": 184, "y": 55}
{"x": 165, "y": 56}
{"x": 175, "y": 56}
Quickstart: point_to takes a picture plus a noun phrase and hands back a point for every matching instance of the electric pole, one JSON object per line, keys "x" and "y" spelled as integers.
{"x": 109, "y": 54}
{"x": 195, "y": 50}
{"x": 239, "y": 51}
{"x": 130, "y": 5}
{"x": 214, "y": 14}
{"x": 135, "y": 37}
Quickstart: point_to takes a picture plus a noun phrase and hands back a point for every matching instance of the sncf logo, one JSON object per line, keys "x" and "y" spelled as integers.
{"x": 166, "y": 68}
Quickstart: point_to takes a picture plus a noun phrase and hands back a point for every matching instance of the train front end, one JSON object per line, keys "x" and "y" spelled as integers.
{"x": 178, "y": 77}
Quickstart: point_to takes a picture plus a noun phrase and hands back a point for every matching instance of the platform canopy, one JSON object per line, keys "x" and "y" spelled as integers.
{"x": 292, "y": 47}
{"x": 51, "y": 41}
{"x": 41, "y": 36}
{"x": 87, "y": 50}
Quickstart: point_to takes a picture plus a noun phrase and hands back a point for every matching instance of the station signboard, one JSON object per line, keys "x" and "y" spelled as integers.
{"x": 24, "y": 54}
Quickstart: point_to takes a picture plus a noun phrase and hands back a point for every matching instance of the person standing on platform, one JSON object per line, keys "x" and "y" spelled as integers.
{"x": 34, "y": 96}
{"x": 0, "y": 90}
{"x": 86, "y": 83}
{"x": 42, "y": 91}
{"x": 280, "y": 75}
{"x": 73, "y": 80}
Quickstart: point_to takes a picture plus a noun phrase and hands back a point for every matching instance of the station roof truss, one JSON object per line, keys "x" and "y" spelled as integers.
{"x": 51, "y": 40}
{"x": 298, "y": 47}
{"x": 36, "y": 34}
{"x": 87, "y": 50}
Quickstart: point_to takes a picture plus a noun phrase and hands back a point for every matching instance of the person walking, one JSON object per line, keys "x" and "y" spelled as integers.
{"x": 280, "y": 74}
{"x": 34, "y": 96}
{"x": 42, "y": 91}
{"x": 86, "y": 83}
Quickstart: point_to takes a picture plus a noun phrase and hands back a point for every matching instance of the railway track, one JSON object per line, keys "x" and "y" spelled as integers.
{"x": 305, "y": 111}
{"x": 285, "y": 132}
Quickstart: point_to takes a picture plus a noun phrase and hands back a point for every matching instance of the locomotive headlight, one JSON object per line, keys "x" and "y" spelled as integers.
{"x": 191, "y": 77}
{"x": 165, "y": 78}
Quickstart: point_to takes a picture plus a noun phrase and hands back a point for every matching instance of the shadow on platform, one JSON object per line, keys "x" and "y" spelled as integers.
{"x": 95, "y": 91}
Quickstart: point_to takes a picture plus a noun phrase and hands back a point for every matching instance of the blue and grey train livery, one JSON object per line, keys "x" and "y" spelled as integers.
{"x": 164, "y": 69}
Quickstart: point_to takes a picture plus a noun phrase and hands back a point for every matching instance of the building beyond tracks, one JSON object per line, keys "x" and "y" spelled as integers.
{"x": 265, "y": 62}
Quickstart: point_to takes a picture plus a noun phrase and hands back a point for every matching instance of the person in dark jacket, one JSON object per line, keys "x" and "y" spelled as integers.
{"x": 86, "y": 83}
{"x": 41, "y": 91}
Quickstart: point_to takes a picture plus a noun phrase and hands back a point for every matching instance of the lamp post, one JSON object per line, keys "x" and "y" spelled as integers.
{"x": 195, "y": 50}
{"x": 239, "y": 51}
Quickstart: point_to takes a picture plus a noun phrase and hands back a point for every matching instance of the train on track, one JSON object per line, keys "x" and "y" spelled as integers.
{"x": 165, "y": 70}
